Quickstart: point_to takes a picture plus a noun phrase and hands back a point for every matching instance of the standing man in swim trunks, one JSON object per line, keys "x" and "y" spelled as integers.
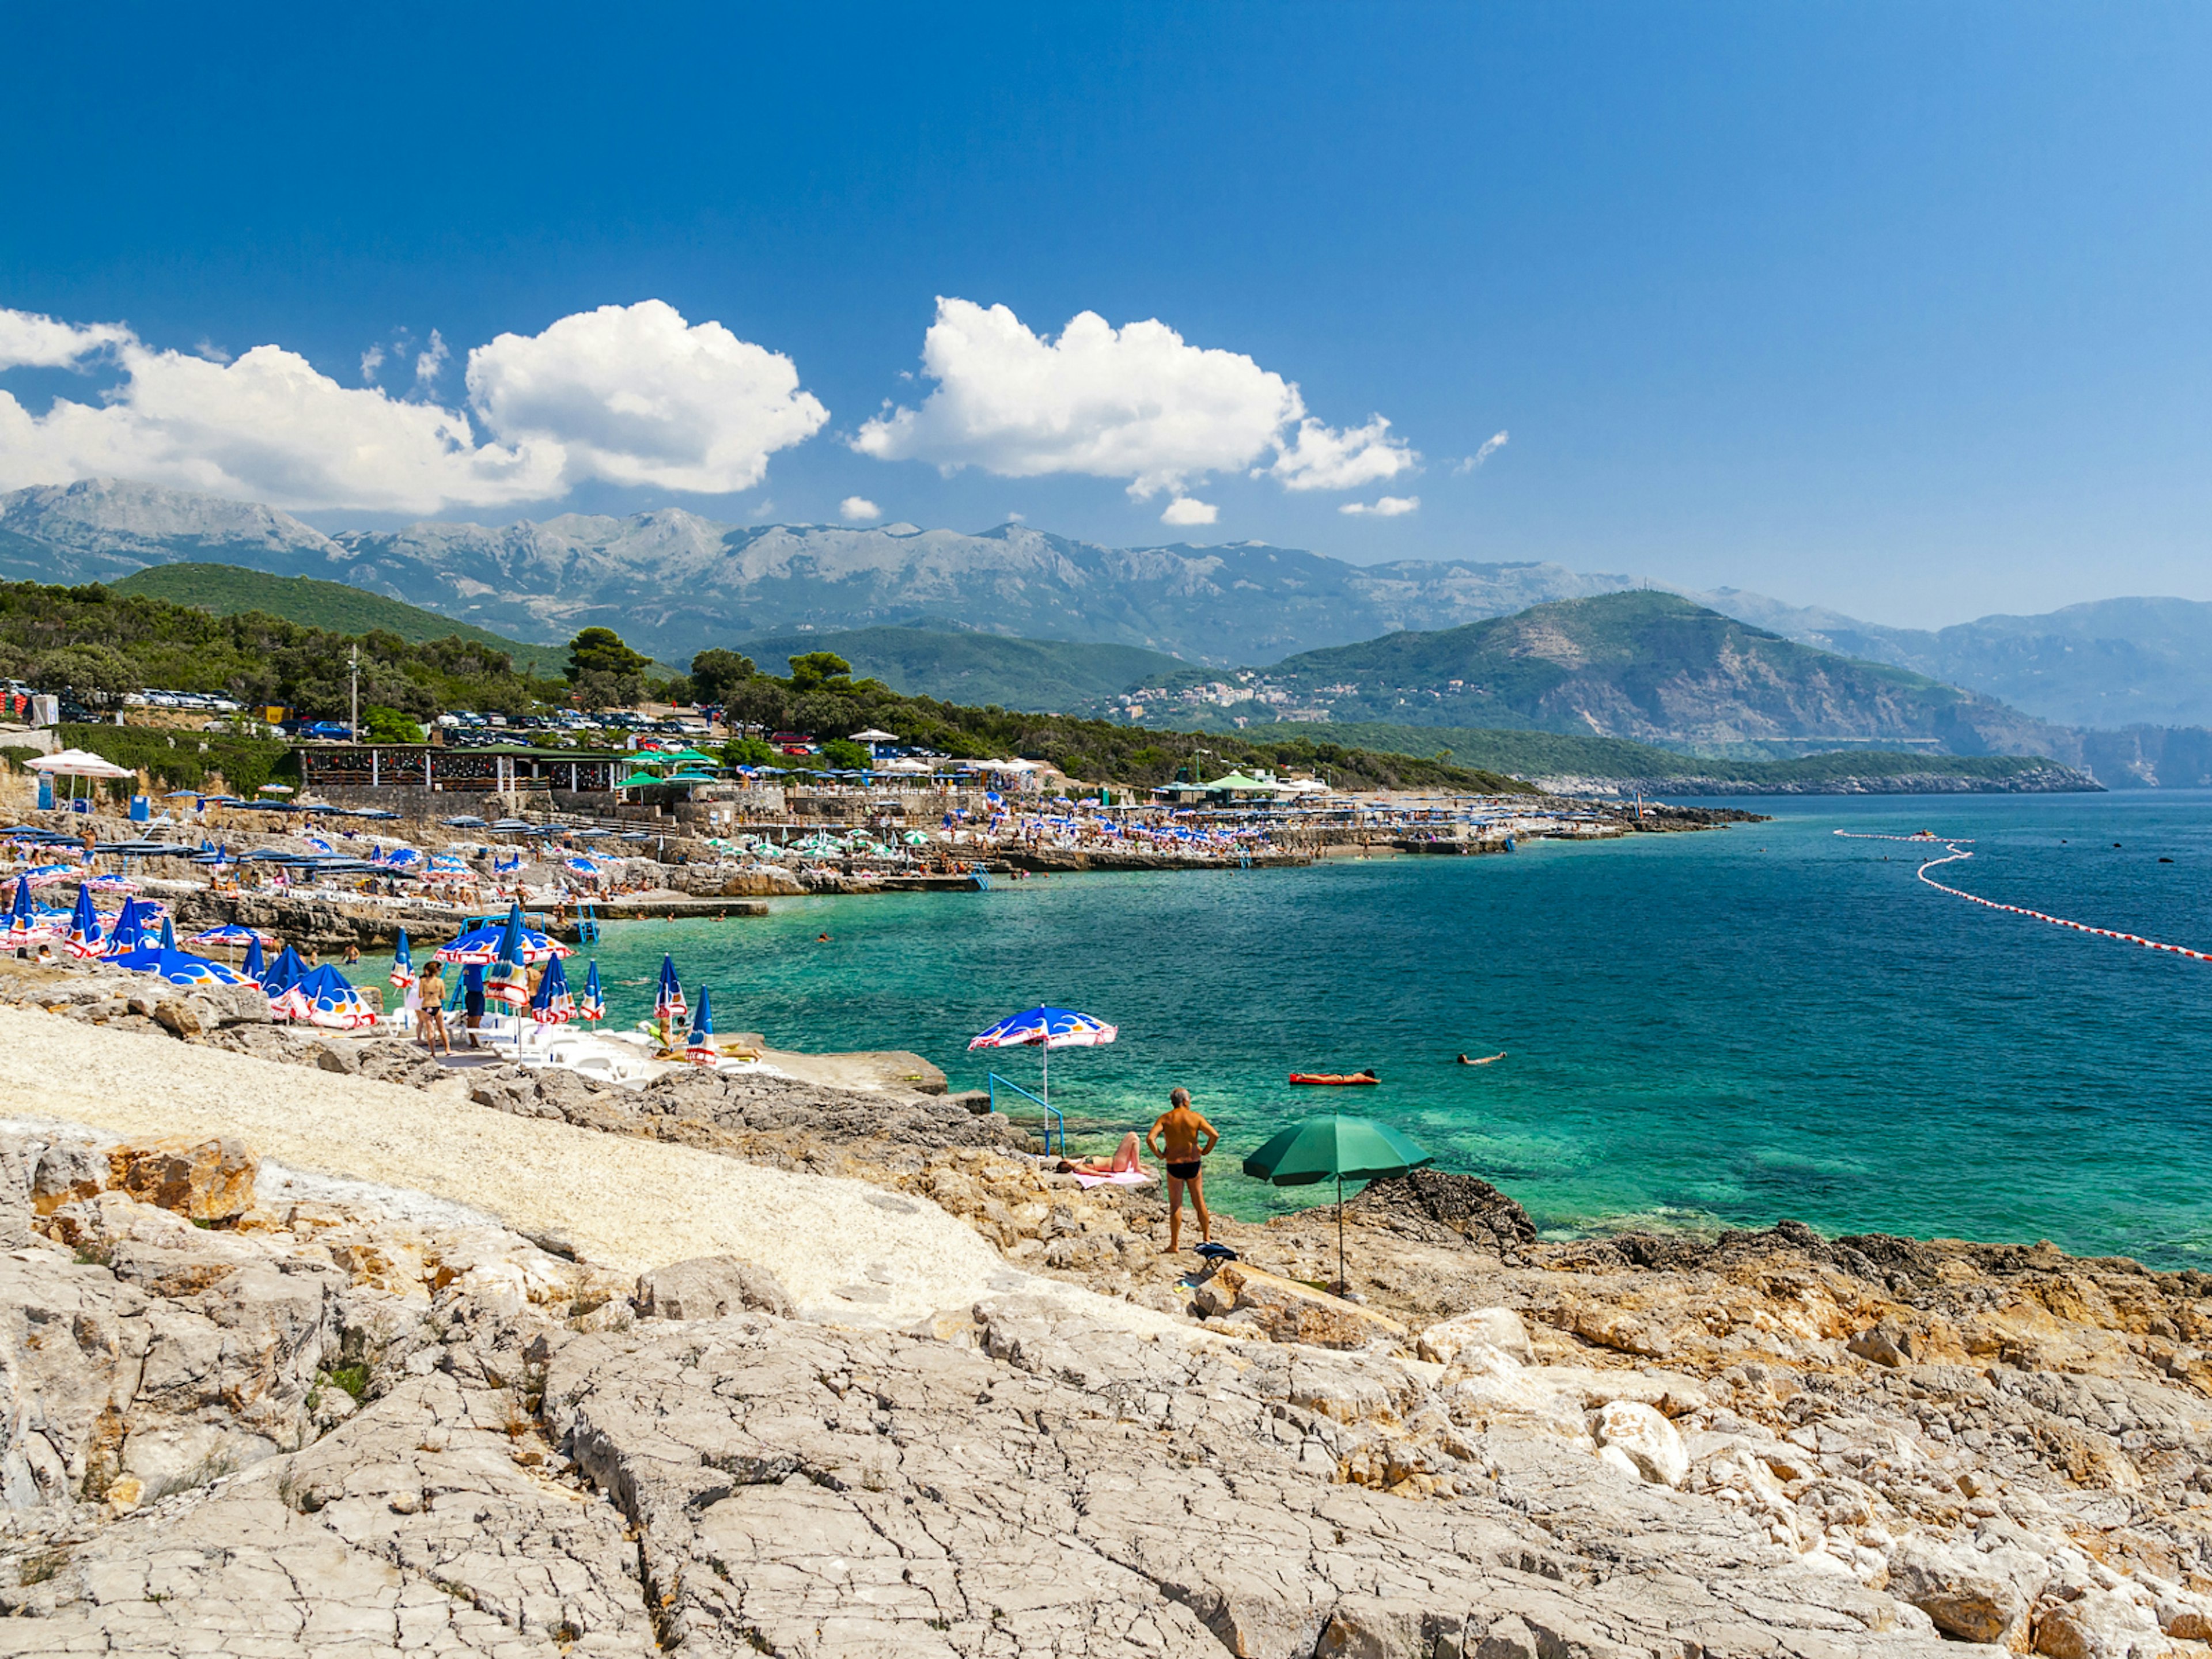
{"x": 1174, "y": 1140}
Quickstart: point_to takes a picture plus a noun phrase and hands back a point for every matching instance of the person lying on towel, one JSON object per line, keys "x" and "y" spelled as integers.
{"x": 1127, "y": 1160}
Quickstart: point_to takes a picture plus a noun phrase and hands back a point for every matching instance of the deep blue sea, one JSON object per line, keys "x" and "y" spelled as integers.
{"x": 1703, "y": 1030}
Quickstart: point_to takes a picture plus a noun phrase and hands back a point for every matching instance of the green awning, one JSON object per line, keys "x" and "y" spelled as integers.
{"x": 637, "y": 780}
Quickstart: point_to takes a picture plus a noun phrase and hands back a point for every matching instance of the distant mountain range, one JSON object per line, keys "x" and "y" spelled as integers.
{"x": 2110, "y": 663}
{"x": 672, "y": 583}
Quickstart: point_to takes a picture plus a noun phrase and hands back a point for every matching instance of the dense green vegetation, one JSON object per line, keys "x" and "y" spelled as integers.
{"x": 1555, "y": 755}
{"x": 230, "y": 589}
{"x": 820, "y": 698}
{"x": 961, "y": 665}
{"x": 98, "y": 644}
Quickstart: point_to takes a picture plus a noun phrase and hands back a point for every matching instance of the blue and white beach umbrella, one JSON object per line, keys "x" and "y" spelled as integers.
{"x": 699, "y": 1048}
{"x": 168, "y": 934}
{"x": 330, "y": 1000}
{"x": 508, "y": 982}
{"x": 254, "y": 967}
{"x": 479, "y": 947}
{"x": 129, "y": 932}
{"x": 668, "y": 1002}
{"x": 287, "y": 970}
{"x": 553, "y": 1006}
{"x": 403, "y": 962}
{"x": 177, "y": 967}
{"x": 593, "y": 1005}
{"x": 85, "y": 936}
{"x": 1046, "y": 1029}
{"x": 24, "y": 927}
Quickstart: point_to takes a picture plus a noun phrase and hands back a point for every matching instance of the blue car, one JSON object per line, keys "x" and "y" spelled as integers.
{"x": 337, "y": 729}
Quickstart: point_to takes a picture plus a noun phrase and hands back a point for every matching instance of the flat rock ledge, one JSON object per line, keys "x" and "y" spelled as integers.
{"x": 247, "y": 1414}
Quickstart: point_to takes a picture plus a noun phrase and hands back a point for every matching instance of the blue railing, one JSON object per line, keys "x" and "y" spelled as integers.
{"x": 588, "y": 924}
{"x": 1051, "y": 1112}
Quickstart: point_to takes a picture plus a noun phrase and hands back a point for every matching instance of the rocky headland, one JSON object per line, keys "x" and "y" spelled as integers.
{"x": 312, "y": 1347}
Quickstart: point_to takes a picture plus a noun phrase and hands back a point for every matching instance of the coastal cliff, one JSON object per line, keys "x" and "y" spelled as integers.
{"x": 311, "y": 1342}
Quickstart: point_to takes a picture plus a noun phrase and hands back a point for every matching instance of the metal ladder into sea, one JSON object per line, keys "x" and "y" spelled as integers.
{"x": 587, "y": 923}
{"x": 1052, "y": 1117}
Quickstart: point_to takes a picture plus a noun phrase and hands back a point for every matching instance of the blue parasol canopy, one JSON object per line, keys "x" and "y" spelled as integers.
{"x": 84, "y": 933}
{"x": 699, "y": 1048}
{"x": 593, "y": 1005}
{"x": 327, "y": 998}
{"x": 508, "y": 982}
{"x": 254, "y": 967}
{"x": 479, "y": 947}
{"x": 1046, "y": 1028}
{"x": 403, "y": 962}
{"x": 668, "y": 1002}
{"x": 178, "y": 967}
{"x": 553, "y": 1006}
{"x": 168, "y": 934}
{"x": 129, "y": 930}
{"x": 287, "y": 970}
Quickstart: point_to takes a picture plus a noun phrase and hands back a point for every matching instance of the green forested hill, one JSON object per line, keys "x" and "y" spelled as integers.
{"x": 961, "y": 665}
{"x": 1647, "y": 666}
{"x": 230, "y": 589}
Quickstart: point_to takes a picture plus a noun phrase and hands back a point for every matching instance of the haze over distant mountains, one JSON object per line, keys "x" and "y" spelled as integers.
{"x": 672, "y": 583}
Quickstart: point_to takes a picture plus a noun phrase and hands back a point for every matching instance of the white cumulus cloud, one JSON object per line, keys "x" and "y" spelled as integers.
{"x": 1319, "y": 458}
{"x": 432, "y": 362}
{"x": 1138, "y": 403}
{"x": 636, "y": 396}
{"x": 631, "y": 394}
{"x": 371, "y": 361}
{"x": 859, "y": 509}
{"x": 1389, "y": 506}
{"x": 30, "y": 341}
{"x": 1491, "y": 445}
{"x": 1183, "y": 510}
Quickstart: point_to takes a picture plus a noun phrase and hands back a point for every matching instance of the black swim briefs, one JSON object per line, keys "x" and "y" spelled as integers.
{"x": 1184, "y": 1171}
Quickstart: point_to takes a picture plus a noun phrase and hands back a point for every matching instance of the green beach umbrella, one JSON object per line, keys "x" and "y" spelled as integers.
{"x": 1338, "y": 1148}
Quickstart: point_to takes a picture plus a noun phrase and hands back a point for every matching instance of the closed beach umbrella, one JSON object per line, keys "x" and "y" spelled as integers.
{"x": 699, "y": 1048}
{"x": 287, "y": 970}
{"x": 129, "y": 930}
{"x": 553, "y": 1006}
{"x": 668, "y": 1004}
{"x": 84, "y": 933}
{"x": 254, "y": 967}
{"x": 1046, "y": 1029}
{"x": 506, "y": 982}
{"x": 593, "y": 1005}
{"x": 403, "y": 962}
{"x": 1334, "y": 1147}
{"x": 168, "y": 934}
{"x": 23, "y": 926}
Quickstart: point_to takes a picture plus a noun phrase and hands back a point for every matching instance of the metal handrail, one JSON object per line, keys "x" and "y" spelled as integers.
{"x": 1051, "y": 1112}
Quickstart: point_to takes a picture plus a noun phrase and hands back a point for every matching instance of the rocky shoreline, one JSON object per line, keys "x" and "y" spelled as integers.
{"x": 294, "y": 1411}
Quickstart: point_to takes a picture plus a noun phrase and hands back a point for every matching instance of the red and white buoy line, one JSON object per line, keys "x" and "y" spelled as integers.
{"x": 1957, "y": 850}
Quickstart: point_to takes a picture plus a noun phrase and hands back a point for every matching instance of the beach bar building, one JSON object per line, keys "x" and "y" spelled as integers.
{"x": 459, "y": 771}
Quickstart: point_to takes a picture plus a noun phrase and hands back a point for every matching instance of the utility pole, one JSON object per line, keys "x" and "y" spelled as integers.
{"x": 353, "y": 726}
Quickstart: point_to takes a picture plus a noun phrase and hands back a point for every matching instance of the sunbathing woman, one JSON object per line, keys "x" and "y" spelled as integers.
{"x": 1127, "y": 1160}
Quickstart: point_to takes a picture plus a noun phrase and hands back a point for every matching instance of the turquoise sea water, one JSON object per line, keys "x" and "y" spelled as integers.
{"x": 1715, "y": 1029}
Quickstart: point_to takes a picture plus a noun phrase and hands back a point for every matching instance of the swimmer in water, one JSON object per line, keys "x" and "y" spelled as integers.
{"x": 822, "y": 938}
{"x": 1486, "y": 1060}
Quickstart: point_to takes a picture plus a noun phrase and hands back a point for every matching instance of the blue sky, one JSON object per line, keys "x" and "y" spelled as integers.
{"x": 1895, "y": 309}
